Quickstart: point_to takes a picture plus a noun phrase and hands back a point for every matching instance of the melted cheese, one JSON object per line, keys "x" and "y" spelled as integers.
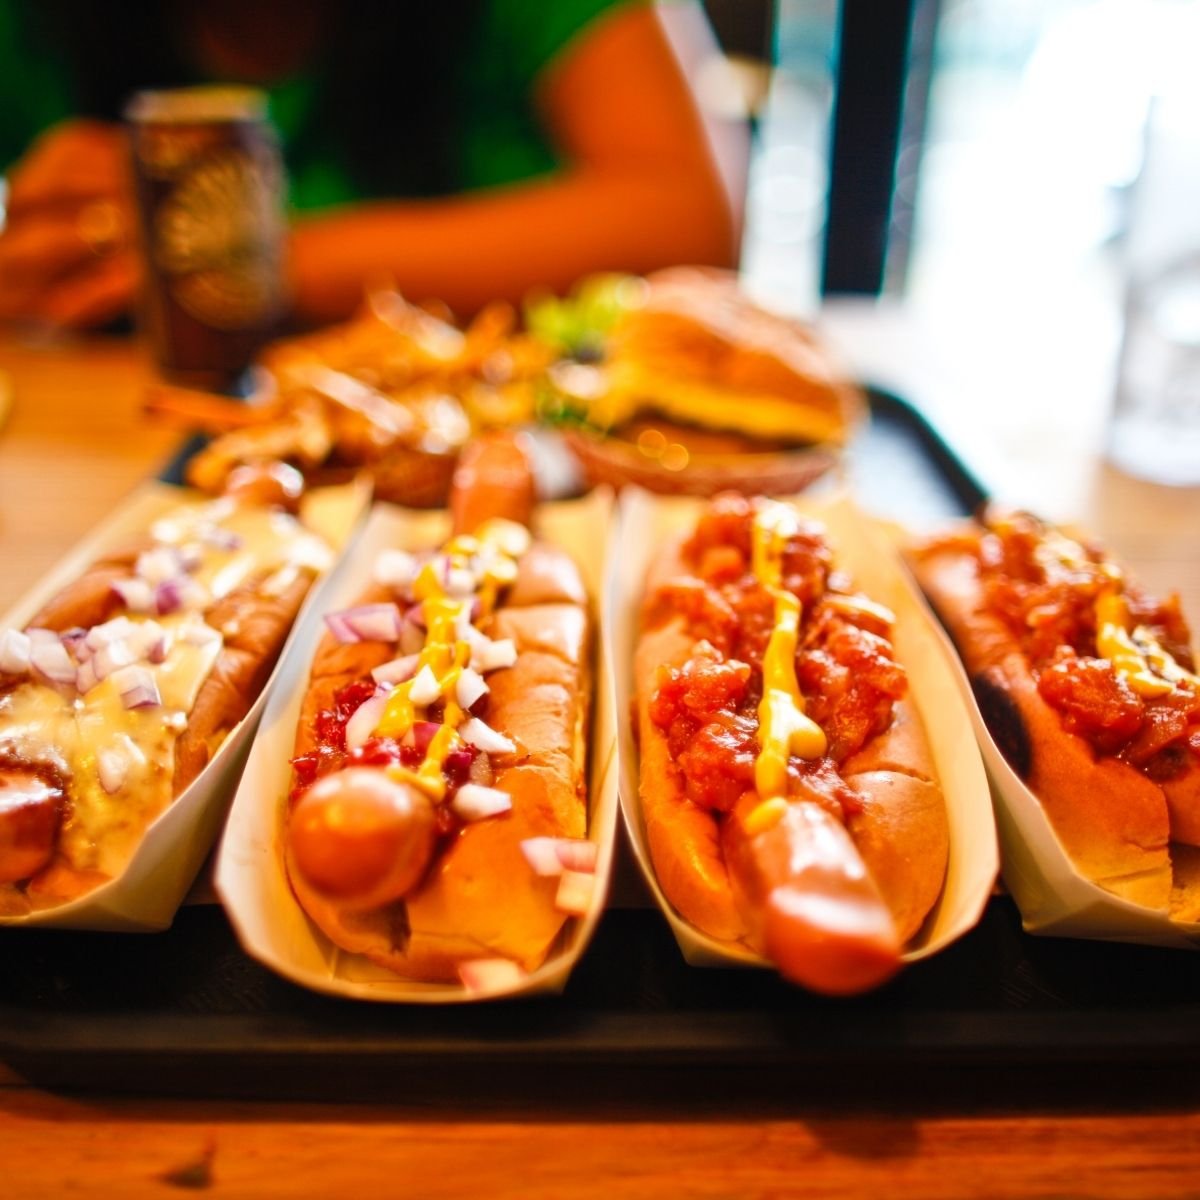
{"x": 238, "y": 542}
{"x": 93, "y": 739}
{"x": 77, "y": 735}
{"x": 633, "y": 388}
{"x": 784, "y": 729}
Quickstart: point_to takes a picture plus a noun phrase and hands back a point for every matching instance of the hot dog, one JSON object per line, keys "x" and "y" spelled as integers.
{"x": 1088, "y": 685}
{"x": 440, "y": 751}
{"x": 787, "y": 789}
{"x": 119, "y": 690}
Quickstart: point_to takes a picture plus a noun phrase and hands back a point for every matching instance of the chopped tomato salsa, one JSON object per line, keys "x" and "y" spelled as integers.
{"x": 330, "y": 753}
{"x": 708, "y": 709}
{"x": 1045, "y": 589}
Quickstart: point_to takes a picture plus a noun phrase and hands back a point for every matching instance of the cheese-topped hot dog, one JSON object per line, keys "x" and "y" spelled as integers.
{"x": 1088, "y": 685}
{"x": 787, "y": 790}
{"x": 440, "y": 753}
{"x": 117, "y": 693}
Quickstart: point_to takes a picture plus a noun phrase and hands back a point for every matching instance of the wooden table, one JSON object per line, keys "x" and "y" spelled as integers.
{"x": 74, "y": 443}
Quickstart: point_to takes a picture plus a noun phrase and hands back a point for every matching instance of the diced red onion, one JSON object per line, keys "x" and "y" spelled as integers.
{"x": 495, "y": 655}
{"x": 158, "y": 565}
{"x": 113, "y": 657}
{"x": 195, "y": 595}
{"x": 148, "y": 639}
{"x": 136, "y": 686}
{"x": 481, "y": 770}
{"x": 574, "y": 895}
{"x": 341, "y": 629}
{"x": 191, "y": 555}
{"x": 168, "y": 596}
{"x": 577, "y": 854}
{"x": 460, "y": 582}
{"x": 136, "y": 594}
{"x": 473, "y": 802}
{"x": 466, "y": 632}
{"x": 155, "y": 650}
{"x": 101, "y": 635}
{"x": 425, "y": 689}
{"x": 483, "y": 737}
{"x": 365, "y": 720}
{"x": 395, "y": 568}
{"x": 14, "y": 652}
{"x": 396, "y": 671}
{"x": 86, "y": 678}
{"x": 51, "y": 661}
{"x": 112, "y": 767}
{"x": 505, "y": 535}
{"x": 470, "y": 687}
{"x": 423, "y": 732}
{"x": 365, "y": 623}
{"x": 552, "y": 856}
{"x": 75, "y": 640}
{"x": 456, "y": 766}
{"x": 222, "y": 539}
{"x": 488, "y": 976}
{"x": 198, "y": 633}
{"x": 412, "y": 631}
{"x": 542, "y": 855}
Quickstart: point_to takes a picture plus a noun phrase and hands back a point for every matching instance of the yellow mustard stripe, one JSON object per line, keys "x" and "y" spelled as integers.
{"x": 444, "y": 652}
{"x": 784, "y": 729}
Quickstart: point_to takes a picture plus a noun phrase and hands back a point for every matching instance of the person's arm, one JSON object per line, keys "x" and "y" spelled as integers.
{"x": 67, "y": 251}
{"x": 643, "y": 188}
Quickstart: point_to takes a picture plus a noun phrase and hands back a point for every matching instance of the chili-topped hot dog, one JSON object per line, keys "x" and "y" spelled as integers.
{"x": 119, "y": 690}
{"x": 1088, "y": 685}
{"x": 787, "y": 790}
{"x": 437, "y": 818}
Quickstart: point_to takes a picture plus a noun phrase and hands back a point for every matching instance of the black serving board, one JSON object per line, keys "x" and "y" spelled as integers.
{"x": 186, "y": 1012}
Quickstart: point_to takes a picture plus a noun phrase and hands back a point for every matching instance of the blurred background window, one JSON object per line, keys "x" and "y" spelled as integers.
{"x": 1018, "y": 165}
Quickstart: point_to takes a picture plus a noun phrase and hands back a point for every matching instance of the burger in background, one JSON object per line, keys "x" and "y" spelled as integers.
{"x": 680, "y": 383}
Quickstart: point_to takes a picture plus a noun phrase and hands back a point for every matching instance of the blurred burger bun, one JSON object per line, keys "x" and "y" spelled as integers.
{"x": 705, "y": 389}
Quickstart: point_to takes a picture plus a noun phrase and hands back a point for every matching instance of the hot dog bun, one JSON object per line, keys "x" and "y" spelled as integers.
{"x": 478, "y": 896}
{"x": 1113, "y": 819}
{"x": 684, "y": 838}
{"x": 700, "y": 389}
{"x": 198, "y": 611}
{"x": 701, "y": 352}
{"x": 832, "y": 877}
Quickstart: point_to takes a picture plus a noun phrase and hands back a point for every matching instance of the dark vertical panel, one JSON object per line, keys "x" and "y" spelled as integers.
{"x": 743, "y": 27}
{"x": 873, "y": 46}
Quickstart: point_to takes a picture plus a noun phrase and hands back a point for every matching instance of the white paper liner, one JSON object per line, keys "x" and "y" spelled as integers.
{"x": 1054, "y": 899}
{"x": 146, "y": 895}
{"x": 645, "y": 523}
{"x": 250, "y": 875}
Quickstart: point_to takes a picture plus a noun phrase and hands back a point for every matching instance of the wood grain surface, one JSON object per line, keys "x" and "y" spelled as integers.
{"x": 75, "y": 443}
{"x": 53, "y": 1145}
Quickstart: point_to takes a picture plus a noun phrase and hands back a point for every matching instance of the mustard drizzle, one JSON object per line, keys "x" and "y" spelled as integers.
{"x": 784, "y": 728}
{"x": 445, "y": 653}
{"x": 1136, "y": 655}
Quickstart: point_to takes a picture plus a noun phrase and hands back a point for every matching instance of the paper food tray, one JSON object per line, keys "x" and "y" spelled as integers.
{"x": 250, "y": 876}
{"x": 145, "y": 896}
{"x": 1054, "y": 898}
{"x": 645, "y": 523}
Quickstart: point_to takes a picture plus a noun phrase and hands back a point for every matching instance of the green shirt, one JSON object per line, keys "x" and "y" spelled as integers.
{"x": 502, "y": 139}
